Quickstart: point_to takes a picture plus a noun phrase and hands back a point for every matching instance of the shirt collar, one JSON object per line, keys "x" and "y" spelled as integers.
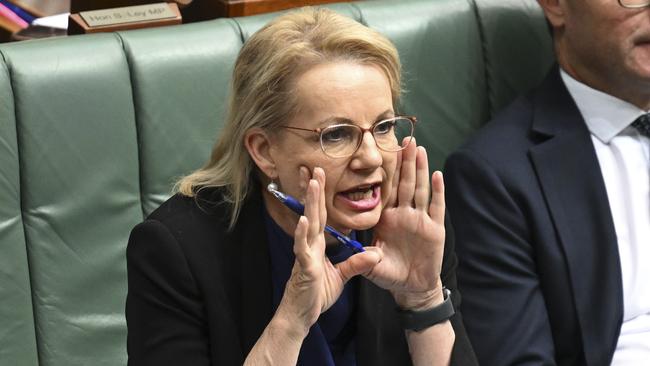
{"x": 605, "y": 115}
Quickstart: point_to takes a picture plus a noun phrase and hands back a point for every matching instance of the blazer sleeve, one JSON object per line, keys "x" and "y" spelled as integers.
{"x": 503, "y": 306}
{"x": 164, "y": 314}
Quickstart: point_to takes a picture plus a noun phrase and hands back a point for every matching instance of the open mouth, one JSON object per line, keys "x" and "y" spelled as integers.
{"x": 363, "y": 198}
{"x": 361, "y": 193}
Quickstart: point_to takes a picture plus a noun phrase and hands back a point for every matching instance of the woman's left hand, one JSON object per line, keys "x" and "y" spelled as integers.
{"x": 411, "y": 234}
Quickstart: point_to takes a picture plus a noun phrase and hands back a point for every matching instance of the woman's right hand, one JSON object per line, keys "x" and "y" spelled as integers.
{"x": 315, "y": 283}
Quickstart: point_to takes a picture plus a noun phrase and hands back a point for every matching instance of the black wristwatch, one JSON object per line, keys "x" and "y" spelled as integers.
{"x": 419, "y": 320}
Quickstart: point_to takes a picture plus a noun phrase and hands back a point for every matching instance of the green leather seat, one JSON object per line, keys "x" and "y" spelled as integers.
{"x": 95, "y": 129}
{"x": 17, "y": 326}
{"x": 517, "y": 47}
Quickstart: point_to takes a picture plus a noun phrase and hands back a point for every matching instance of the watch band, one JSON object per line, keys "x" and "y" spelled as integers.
{"x": 419, "y": 320}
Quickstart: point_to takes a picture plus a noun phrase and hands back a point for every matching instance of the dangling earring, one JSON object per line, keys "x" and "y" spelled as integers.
{"x": 272, "y": 186}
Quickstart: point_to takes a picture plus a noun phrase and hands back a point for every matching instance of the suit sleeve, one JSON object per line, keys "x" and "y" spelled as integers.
{"x": 503, "y": 306}
{"x": 164, "y": 313}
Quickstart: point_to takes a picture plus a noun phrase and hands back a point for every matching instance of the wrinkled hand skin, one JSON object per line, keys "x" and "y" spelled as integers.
{"x": 411, "y": 234}
{"x": 315, "y": 283}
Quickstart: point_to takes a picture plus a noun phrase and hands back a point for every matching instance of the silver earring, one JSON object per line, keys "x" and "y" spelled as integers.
{"x": 272, "y": 186}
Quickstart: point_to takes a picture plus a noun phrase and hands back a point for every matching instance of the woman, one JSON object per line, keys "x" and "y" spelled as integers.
{"x": 223, "y": 273}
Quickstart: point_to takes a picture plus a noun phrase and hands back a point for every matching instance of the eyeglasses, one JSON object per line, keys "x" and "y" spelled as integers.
{"x": 343, "y": 140}
{"x": 634, "y": 4}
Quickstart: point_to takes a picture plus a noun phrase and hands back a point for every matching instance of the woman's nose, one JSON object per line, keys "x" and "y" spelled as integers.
{"x": 368, "y": 155}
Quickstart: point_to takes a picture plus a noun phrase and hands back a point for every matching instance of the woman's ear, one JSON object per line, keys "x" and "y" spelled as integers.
{"x": 258, "y": 144}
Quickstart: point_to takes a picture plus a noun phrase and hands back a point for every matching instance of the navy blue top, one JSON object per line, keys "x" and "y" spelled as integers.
{"x": 330, "y": 340}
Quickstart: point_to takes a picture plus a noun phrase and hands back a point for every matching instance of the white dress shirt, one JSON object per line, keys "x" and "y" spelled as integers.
{"x": 624, "y": 157}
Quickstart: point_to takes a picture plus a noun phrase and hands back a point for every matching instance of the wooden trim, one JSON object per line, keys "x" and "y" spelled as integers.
{"x": 237, "y": 8}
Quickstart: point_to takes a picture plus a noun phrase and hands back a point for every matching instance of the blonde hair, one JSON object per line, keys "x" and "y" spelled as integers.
{"x": 262, "y": 91}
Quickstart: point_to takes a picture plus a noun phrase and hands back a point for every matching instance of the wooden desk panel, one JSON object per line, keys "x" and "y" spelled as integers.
{"x": 197, "y": 10}
{"x": 237, "y": 8}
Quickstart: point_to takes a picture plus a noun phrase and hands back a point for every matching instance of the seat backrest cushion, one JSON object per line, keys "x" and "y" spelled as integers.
{"x": 79, "y": 191}
{"x": 180, "y": 77}
{"x": 17, "y": 332}
{"x": 517, "y": 46}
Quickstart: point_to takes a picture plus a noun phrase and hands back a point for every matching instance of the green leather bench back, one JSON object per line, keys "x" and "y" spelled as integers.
{"x": 17, "y": 327}
{"x": 95, "y": 129}
{"x": 517, "y": 48}
{"x": 79, "y": 192}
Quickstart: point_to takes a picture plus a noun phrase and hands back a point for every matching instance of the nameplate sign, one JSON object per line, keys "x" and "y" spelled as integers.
{"x": 128, "y": 14}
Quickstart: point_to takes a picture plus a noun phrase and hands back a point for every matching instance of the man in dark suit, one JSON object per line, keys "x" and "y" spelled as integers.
{"x": 551, "y": 203}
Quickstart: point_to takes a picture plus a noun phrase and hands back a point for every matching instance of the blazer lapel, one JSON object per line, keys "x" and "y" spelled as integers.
{"x": 256, "y": 286}
{"x": 380, "y": 338}
{"x": 572, "y": 183}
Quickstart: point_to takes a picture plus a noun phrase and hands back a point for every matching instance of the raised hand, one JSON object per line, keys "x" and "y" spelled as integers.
{"x": 315, "y": 283}
{"x": 411, "y": 234}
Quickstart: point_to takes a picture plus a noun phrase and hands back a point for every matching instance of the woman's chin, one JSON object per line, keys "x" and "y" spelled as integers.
{"x": 358, "y": 221}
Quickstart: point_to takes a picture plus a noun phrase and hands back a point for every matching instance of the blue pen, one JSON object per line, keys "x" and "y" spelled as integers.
{"x": 298, "y": 208}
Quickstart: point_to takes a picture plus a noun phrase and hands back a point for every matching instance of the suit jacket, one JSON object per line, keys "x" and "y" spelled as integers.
{"x": 200, "y": 294}
{"x": 539, "y": 266}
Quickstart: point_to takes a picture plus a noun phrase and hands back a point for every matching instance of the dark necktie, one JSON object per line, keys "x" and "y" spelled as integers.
{"x": 642, "y": 124}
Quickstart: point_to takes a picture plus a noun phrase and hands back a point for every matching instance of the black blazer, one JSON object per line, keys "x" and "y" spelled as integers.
{"x": 539, "y": 266}
{"x": 201, "y": 295}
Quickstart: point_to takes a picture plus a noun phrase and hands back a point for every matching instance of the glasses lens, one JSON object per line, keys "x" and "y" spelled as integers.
{"x": 340, "y": 140}
{"x": 390, "y": 133}
{"x": 635, "y": 3}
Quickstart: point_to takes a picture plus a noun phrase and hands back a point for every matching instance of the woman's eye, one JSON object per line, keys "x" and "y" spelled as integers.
{"x": 384, "y": 127}
{"x": 336, "y": 134}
